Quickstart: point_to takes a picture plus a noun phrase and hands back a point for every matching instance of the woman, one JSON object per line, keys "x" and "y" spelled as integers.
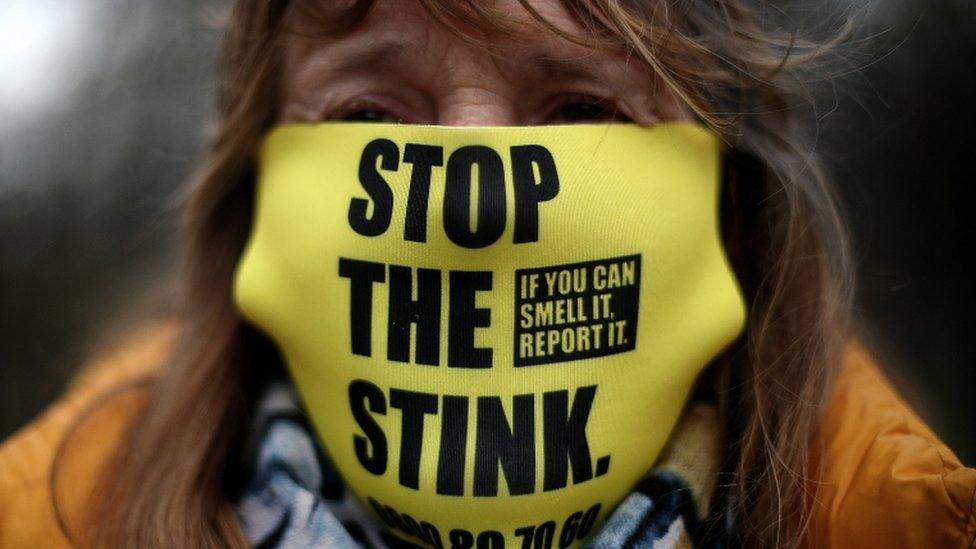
{"x": 189, "y": 435}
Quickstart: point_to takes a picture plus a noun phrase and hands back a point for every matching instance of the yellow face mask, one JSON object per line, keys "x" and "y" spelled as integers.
{"x": 493, "y": 330}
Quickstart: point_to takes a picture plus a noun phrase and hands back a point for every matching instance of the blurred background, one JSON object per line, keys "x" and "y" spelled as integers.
{"x": 104, "y": 105}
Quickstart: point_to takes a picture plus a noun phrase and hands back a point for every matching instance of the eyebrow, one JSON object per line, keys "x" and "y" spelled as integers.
{"x": 569, "y": 67}
{"x": 394, "y": 53}
{"x": 385, "y": 53}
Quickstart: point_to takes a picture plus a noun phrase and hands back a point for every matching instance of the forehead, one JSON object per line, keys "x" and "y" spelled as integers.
{"x": 406, "y": 14}
{"x": 406, "y": 28}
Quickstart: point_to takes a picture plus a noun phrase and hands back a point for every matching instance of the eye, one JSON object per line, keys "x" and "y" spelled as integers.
{"x": 587, "y": 110}
{"x": 371, "y": 115}
{"x": 371, "y": 108}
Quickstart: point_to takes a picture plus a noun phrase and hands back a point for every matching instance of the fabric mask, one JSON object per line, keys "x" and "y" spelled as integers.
{"x": 493, "y": 330}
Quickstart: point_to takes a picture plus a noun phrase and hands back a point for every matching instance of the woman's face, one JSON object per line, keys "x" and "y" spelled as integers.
{"x": 400, "y": 65}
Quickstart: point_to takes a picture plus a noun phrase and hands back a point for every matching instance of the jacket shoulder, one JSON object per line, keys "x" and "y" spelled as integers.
{"x": 886, "y": 478}
{"x": 59, "y": 454}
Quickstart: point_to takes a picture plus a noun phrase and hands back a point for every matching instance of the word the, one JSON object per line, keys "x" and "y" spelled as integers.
{"x": 424, "y": 312}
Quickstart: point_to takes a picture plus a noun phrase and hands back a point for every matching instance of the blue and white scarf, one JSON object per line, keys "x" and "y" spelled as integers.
{"x": 295, "y": 499}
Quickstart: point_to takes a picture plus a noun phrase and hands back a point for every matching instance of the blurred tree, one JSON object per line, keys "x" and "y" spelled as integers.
{"x": 102, "y": 108}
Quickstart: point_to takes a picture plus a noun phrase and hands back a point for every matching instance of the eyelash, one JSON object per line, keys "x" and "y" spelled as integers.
{"x": 593, "y": 109}
{"x": 369, "y": 115}
{"x": 575, "y": 108}
{"x": 363, "y": 111}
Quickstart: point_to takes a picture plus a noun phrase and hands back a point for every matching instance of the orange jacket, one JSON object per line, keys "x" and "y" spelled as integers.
{"x": 888, "y": 481}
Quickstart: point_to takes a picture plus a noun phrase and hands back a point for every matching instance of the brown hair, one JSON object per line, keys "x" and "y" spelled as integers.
{"x": 167, "y": 485}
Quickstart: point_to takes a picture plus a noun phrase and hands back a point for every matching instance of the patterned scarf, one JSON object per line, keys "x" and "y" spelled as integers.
{"x": 295, "y": 499}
